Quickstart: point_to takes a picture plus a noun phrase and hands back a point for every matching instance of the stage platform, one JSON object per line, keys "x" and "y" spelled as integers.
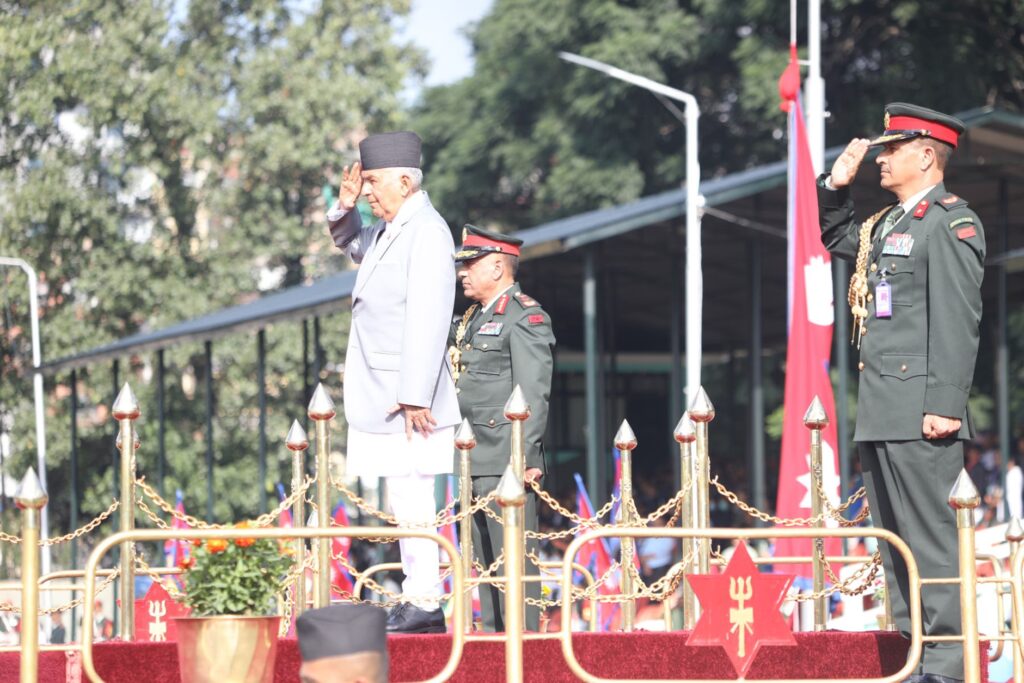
{"x": 648, "y": 655}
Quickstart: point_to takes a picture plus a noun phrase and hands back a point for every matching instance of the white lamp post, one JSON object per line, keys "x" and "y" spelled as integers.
{"x": 37, "y": 382}
{"x": 694, "y": 208}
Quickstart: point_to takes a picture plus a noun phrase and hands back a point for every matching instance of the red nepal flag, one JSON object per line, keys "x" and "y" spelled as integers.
{"x": 810, "y": 337}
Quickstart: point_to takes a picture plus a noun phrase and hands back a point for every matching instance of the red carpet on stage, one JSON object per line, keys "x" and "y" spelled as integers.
{"x": 611, "y": 655}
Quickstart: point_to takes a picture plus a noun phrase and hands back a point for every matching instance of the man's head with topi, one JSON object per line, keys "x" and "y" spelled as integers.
{"x": 343, "y": 644}
{"x": 387, "y": 173}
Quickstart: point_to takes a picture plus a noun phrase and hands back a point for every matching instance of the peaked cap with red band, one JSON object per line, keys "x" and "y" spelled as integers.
{"x": 906, "y": 121}
{"x": 478, "y": 242}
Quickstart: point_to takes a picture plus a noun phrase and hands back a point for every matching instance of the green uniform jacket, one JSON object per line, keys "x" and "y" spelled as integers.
{"x": 921, "y": 359}
{"x": 509, "y": 344}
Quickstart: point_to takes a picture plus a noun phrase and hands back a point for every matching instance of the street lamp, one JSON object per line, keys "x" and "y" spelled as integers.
{"x": 37, "y": 381}
{"x": 694, "y": 207}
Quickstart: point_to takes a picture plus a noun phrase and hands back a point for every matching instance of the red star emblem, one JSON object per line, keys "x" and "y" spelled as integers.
{"x": 741, "y": 610}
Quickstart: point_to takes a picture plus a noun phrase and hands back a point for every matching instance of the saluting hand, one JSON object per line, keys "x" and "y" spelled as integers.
{"x": 939, "y": 427}
{"x": 844, "y": 170}
{"x": 416, "y": 419}
{"x": 351, "y": 186}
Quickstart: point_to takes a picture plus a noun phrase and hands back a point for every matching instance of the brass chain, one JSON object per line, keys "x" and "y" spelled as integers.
{"x": 77, "y": 602}
{"x": 565, "y": 512}
{"x": 168, "y": 585}
{"x": 263, "y": 520}
{"x": 77, "y": 533}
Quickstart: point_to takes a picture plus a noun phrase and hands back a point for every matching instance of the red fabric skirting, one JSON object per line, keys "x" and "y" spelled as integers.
{"x": 610, "y": 655}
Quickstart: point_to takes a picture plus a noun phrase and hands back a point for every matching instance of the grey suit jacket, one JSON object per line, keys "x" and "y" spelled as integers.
{"x": 921, "y": 358}
{"x": 401, "y": 304}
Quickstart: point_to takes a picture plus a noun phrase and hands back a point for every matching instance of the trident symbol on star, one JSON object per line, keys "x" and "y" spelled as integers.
{"x": 741, "y": 617}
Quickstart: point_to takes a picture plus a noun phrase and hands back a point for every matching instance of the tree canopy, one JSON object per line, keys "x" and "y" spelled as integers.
{"x": 528, "y": 138}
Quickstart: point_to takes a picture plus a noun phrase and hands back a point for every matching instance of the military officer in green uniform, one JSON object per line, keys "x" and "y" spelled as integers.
{"x": 916, "y": 300}
{"x": 502, "y": 340}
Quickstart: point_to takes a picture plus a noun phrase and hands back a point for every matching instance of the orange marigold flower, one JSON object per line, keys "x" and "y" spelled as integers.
{"x": 197, "y": 542}
{"x": 244, "y": 542}
{"x": 186, "y": 562}
{"x": 216, "y": 545}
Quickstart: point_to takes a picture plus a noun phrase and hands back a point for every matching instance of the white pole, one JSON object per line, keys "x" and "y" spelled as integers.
{"x": 815, "y": 88}
{"x": 37, "y": 385}
{"x": 694, "y": 209}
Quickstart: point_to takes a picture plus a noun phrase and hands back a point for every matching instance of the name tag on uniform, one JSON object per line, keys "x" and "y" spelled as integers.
{"x": 490, "y": 329}
{"x": 898, "y": 244}
{"x": 883, "y": 300}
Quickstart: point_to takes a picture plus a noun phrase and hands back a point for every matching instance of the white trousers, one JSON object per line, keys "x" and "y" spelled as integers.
{"x": 411, "y": 501}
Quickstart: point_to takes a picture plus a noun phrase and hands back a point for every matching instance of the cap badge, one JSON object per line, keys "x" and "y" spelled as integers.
{"x": 886, "y": 121}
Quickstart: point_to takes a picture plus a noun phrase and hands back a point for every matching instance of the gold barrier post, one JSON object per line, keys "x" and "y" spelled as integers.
{"x": 1014, "y": 534}
{"x": 702, "y": 412}
{"x": 465, "y": 441}
{"x": 685, "y": 436}
{"x": 297, "y": 442}
{"x": 321, "y": 410}
{"x": 816, "y": 420}
{"x": 517, "y": 410}
{"x": 30, "y": 498}
{"x": 625, "y": 441}
{"x": 512, "y": 498}
{"x": 125, "y": 410}
{"x": 964, "y": 498}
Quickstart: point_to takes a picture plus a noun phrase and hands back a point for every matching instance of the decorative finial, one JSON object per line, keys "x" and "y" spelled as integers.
{"x": 516, "y": 408}
{"x": 816, "y": 417}
{"x": 1014, "y": 530}
{"x": 126, "y": 406}
{"x": 625, "y": 439}
{"x": 684, "y": 432}
{"x": 135, "y": 441}
{"x": 30, "y": 494}
{"x": 964, "y": 493}
{"x": 701, "y": 410}
{"x": 321, "y": 407}
{"x": 510, "y": 490}
{"x": 465, "y": 439}
{"x": 296, "y": 439}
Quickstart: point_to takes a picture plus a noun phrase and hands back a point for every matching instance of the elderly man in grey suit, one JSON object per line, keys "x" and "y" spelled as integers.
{"x": 400, "y": 400}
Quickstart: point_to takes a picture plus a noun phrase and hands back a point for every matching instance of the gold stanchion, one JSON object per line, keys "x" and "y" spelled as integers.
{"x": 964, "y": 498}
{"x": 685, "y": 436}
{"x": 517, "y": 410}
{"x": 512, "y": 498}
{"x": 702, "y": 412}
{"x": 465, "y": 441}
{"x": 298, "y": 442}
{"x": 1015, "y": 534}
{"x": 125, "y": 410}
{"x": 321, "y": 410}
{"x": 625, "y": 441}
{"x": 816, "y": 420}
{"x": 30, "y": 498}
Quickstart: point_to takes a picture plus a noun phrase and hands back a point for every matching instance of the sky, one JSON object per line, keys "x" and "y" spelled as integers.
{"x": 436, "y": 26}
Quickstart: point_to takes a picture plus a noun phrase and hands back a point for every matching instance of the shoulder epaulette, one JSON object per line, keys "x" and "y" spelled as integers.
{"x": 951, "y": 201}
{"x": 525, "y": 300}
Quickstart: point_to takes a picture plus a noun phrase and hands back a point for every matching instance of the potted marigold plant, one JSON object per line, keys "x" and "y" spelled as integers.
{"x": 231, "y": 587}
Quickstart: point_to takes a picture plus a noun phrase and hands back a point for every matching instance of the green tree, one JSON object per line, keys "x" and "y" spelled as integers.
{"x": 528, "y": 138}
{"x": 159, "y": 160}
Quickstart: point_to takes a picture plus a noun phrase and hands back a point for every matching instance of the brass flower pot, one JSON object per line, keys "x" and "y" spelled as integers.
{"x": 227, "y": 649}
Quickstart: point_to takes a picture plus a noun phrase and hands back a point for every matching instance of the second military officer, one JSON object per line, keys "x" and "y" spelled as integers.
{"x": 502, "y": 340}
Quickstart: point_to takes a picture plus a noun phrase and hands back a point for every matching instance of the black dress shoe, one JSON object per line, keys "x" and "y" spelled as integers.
{"x": 408, "y": 618}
